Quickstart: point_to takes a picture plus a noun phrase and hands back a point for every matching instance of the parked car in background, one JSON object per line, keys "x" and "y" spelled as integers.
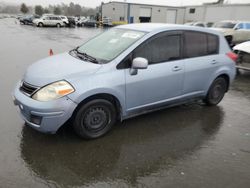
{"x": 198, "y": 24}
{"x": 80, "y": 22}
{"x": 243, "y": 51}
{"x": 28, "y": 20}
{"x": 65, "y": 20}
{"x": 71, "y": 21}
{"x": 210, "y": 24}
{"x": 90, "y": 23}
{"x": 106, "y": 22}
{"x": 123, "y": 72}
{"x": 50, "y": 20}
{"x": 19, "y": 16}
{"x": 235, "y": 31}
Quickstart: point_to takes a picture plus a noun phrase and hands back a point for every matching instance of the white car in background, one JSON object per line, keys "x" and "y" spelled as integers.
{"x": 243, "y": 51}
{"x": 65, "y": 20}
{"x": 234, "y": 31}
{"x": 80, "y": 22}
{"x": 198, "y": 24}
{"x": 49, "y": 20}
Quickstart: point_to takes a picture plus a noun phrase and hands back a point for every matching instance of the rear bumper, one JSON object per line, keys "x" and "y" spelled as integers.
{"x": 45, "y": 117}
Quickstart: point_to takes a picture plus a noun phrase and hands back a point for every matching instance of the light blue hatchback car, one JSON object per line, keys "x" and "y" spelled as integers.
{"x": 123, "y": 72}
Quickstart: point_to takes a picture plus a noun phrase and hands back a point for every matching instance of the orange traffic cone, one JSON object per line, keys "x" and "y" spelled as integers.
{"x": 51, "y": 52}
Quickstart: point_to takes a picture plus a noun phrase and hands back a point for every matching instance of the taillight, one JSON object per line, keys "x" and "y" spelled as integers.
{"x": 232, "y": 56}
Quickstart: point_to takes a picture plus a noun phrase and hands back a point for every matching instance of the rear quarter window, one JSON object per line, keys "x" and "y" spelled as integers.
{"x": 212, "y": 44}
{"x": 198, "y": 44}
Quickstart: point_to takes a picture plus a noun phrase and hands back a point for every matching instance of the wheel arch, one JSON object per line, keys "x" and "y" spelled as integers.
{"x": 223, "y": 75}
{"x": 106, "y": 96}
{"x": 226, "y": 77}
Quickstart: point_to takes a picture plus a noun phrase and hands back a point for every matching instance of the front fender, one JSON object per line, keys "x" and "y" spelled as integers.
{"x": 97, "y": 91}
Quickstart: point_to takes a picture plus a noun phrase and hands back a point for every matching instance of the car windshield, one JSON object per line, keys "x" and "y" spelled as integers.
{"x": 110, "y": 44}
{"x": 228, "y": 25}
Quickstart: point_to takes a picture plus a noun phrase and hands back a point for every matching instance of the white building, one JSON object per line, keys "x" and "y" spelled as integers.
{"x": 217, "y": 12}
{"x": 135, "y": 13}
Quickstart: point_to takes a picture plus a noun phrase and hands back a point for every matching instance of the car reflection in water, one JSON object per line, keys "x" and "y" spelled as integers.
{"x": 136, "y": 148}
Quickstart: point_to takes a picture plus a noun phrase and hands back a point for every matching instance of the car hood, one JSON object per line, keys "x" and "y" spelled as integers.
{"x": 244, "y": 47}
{"x": 58, "y": 67}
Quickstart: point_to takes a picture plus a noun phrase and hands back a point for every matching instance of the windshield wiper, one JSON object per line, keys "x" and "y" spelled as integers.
{"x": 85, "y": 56}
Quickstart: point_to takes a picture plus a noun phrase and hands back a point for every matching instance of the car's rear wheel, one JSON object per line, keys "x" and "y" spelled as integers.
{"x": 216, "y": 91}
{"x": 40, "y": 24}
{"x": 58, "y": 25}
{"x": 94, "y": 119}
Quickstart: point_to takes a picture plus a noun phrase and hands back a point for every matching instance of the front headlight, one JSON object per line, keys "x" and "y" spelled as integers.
{"x": 53, "y": 91}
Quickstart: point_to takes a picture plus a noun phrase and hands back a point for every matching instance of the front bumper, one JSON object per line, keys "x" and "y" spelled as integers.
{"x": 45, "y": 117}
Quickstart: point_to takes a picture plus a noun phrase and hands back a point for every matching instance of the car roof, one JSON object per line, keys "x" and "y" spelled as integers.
{"x": 234, "y": 21}
{"x": 153, "y": 27}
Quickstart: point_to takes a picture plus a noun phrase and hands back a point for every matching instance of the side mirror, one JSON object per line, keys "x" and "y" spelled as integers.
{"x": 138, "y": 63}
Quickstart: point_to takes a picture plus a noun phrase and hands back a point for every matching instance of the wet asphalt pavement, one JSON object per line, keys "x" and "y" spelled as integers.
{"x": 186, "y": 146}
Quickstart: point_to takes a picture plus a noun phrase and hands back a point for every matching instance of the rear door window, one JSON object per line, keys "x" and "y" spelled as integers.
{"x": 195, "y": 44}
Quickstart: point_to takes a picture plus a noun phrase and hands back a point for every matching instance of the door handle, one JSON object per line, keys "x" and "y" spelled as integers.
{"x": 176, "y": 68}
{"x": 214, "y": 62}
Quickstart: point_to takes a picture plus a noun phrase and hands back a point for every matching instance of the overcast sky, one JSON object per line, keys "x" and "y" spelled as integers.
{"x": 94, "y": 3}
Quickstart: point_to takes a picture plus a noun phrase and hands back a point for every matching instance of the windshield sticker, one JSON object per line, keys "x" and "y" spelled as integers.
{"x": 113, "y": 41}
{"x": 131, "y": 35}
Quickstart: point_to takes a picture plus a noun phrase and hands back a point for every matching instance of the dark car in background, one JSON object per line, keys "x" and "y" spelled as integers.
{"x": 28, "y": 20}
{"x": 90, "y": 23}
{"x": 71, "y": 21}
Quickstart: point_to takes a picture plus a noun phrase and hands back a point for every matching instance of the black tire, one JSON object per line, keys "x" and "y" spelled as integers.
{"x": 94, "y": 119}
{"x": 40, "y": 24}
{"x": 216, "y": 91}
{"x": 58, "y": 25}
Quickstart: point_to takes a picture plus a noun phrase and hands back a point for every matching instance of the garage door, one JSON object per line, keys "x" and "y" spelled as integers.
{"x": 145, "y": 12}
{"x": 171, "y": 16}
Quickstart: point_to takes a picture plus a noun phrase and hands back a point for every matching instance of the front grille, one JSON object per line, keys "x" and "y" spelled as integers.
{"x": 28, "y": 89}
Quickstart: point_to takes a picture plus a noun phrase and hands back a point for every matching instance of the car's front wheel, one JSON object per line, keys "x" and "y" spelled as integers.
{"x": 216, "y": 91}
{"x": 94, "y": 119}
{"x": 40, "y": 24}
{"x": 58, "y": 25}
